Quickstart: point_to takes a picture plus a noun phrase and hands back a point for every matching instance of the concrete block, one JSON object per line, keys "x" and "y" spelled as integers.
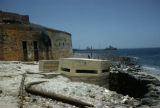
{"x": 84, "y": 67}
{"x": 48, "y": 65}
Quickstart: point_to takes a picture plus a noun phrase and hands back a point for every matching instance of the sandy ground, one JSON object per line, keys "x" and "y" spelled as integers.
{"x": 10, "y": 79}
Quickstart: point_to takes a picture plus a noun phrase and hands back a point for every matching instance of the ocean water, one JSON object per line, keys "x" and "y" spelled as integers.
{"x": 148, "y": 58}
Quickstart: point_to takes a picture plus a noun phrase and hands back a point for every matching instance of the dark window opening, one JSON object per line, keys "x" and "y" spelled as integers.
{"x": 65, "y": 69}
{"x": 24, "y": 45}
{"x": 35, "y": 45}
{"x": 106, "y": 70}
{"x": 87, "y": 71}
{"x": 59, "y": 44}
{"x": 36, "y": 56}
{"x": 63, "y": 44}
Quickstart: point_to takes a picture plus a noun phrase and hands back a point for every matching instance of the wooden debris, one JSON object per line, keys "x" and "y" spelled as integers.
{"x": 21, "y": 90}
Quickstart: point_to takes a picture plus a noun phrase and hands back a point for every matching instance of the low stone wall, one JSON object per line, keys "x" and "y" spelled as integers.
{"x": 48, "y": 65}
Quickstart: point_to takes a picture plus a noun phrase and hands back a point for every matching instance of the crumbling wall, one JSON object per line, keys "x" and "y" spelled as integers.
{"x": 2, "y": 36}
{"x": 13, "y": 18}
{"x": 1, "y": 52}
{"x": 12, "y": 45}
{"x": 61, "y": 44}
{"x": 26, "y": 42}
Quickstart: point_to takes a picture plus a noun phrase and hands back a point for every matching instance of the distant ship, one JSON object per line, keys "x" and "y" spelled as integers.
{"x": 110, "y": 48}
{"x": 92, "y": 49}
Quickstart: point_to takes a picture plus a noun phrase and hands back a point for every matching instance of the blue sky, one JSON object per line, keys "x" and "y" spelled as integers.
{"x": 96, "y": 23}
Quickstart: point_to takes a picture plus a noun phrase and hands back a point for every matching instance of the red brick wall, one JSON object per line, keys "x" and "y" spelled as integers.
{"x": 1, "y": 52}
{"x": 13, "y": 50}
{"x": 13, "y": 17}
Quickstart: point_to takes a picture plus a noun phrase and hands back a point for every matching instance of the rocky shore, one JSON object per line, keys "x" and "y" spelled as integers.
{"x": 128, "y": 78}
{"x": 142, "y": 87}
{"x": 129, "y": 86}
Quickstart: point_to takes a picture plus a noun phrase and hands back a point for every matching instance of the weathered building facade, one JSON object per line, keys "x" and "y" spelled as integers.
{"x": 22, "y": 41}
{"x": 7, "y": 17}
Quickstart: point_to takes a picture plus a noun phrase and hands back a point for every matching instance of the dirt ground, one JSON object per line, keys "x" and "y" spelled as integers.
{"x": 11, "y": 74}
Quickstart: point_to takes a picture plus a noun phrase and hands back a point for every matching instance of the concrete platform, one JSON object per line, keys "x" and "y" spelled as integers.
{"x": 48, "y": 65}
{"x": 84, "y": 67}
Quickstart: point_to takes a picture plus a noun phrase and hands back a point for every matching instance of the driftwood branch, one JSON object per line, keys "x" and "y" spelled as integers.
{"x": 21, "y": 90}
{"x": 55, "y": 96}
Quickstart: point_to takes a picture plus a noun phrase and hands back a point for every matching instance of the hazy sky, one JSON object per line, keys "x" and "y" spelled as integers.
{"x": 121, "y": 23}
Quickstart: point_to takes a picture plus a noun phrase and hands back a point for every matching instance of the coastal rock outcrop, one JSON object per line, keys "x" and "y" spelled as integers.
{"x": 142, "y": 86}
{"x": 127, "y": 78}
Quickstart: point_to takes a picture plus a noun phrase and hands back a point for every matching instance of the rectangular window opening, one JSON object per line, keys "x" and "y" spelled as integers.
{"x": 36, "y": 55}
{"x": 65, "y": 69}
{"x": 25, "y": 53}
{"x": 24, "y": 44}
{"x": 35, "y": 45}
{"x": 87, "y": 71}
{"x": 105, "y": 70}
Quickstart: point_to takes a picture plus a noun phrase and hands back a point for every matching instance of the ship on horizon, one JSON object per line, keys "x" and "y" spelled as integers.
{"x": 92, "y": 49}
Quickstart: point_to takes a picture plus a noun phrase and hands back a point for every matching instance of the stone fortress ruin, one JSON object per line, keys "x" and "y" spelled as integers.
{"x": 22, "y": 41}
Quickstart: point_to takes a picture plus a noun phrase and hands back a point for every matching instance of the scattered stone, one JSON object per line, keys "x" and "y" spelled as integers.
{"x": 34, "y": 100}
{"x": 99, "y": 105}
{"x": 103, "y": 98}
{"x": 0, "y": 91}
{"x": 144, "y": 106}
{"x": 89, "y": 93}
{"x": 125, "y": 99}
{"x": 27, "y": 99}
{"x": 92, "y": 95}
{"x": 89, "y": 90}
{"x": 146, "y": 101}
{"x": 65, "y": 89}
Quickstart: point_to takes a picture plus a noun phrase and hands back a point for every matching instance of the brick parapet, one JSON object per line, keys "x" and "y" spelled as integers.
{"x": 8, "y": 17}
